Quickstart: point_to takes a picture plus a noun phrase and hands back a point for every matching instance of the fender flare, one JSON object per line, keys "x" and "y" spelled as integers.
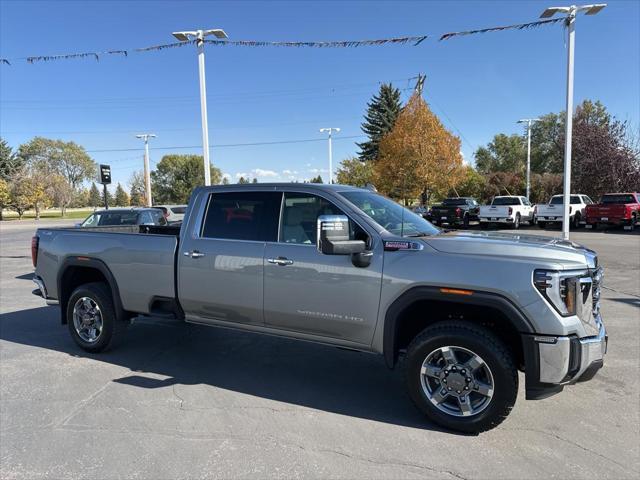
{"x": 483, "y": 299}
{"x": 89, "y": 263}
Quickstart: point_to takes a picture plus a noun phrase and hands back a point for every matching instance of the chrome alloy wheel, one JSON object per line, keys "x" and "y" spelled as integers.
{"x": 87, "y": 319}
{"x": 457, "y": 381}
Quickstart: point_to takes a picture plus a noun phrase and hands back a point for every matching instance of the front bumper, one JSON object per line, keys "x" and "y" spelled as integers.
{"x": 553, "y": 362}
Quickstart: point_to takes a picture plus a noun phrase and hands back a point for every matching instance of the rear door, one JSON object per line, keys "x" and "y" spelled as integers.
{"x": 220, "y": 273}
{"x": 308, "y": 292}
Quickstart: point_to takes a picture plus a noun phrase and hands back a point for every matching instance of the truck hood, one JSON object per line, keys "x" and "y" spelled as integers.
{"x": 565, "y": 254}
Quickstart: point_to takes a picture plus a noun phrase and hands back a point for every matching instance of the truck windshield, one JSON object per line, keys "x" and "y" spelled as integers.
{"x": 575, "y": 200}
{"x": 617, "y": 199}
{"x": 389, "y": 215}
{"x": 451, "y": 202}
{"x": 506, "y": 201}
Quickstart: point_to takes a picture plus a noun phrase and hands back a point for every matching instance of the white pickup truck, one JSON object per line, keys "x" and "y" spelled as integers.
{"x": 510, "y": 210}
{"x": 553, "y": 211}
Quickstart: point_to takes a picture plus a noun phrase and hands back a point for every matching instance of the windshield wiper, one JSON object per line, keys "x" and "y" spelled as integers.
{"x": 419, "y": 234}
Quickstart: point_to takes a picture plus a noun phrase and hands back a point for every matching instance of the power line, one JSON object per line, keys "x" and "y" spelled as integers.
{"x": 226, "y": 145}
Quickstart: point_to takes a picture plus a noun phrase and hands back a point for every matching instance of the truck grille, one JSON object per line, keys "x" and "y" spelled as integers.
{"x": 596, "y": 278}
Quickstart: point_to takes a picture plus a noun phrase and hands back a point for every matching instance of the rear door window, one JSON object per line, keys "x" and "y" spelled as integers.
{"x": 249, "y": 216}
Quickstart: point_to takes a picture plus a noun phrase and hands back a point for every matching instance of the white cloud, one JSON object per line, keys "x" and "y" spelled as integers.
{"x": 289, "y": 172}
{"x": 259, "y": 172}
{"x": 242, "y": 174}
{"x": 227, "y": 176}
{"x": 316, "y": 171}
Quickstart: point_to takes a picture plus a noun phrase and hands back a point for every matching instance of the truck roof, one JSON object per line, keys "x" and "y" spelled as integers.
{"x": 311, "y": 186}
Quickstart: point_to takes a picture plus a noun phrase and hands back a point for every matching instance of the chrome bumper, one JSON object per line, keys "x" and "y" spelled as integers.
{"x": 565, "y": 360}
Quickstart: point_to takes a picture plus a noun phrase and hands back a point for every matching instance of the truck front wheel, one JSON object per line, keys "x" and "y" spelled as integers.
{"x": 461, "y": 376}
{"x": 91, "y": 318}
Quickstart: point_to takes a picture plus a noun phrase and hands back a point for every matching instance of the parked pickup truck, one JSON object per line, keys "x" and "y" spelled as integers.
{"x": 553, "y": 211}
{"x": 615, "y": 209}
{"x": 343, "y": 266}
{"x": 507, "y": 210}
{"x": 458, "y": 211}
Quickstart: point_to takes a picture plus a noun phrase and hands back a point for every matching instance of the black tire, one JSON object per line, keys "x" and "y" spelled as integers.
{"x": 576, "y": 221}
{"x": 493, "y": 352}
{"x": 465, "y": 221}
{"x": 484, "y": 225}
{"x": 516, "y": 223}
{"x": 112, "y": 329}
{"x": 542, "y": 224}
{"x": 632, "y": 223}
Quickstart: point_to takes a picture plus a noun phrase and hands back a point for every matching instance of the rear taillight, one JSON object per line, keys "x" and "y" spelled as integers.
{"x": 34, "y": 250}
{"x": 458, "y": 210}
{"x": 510, "y": 210}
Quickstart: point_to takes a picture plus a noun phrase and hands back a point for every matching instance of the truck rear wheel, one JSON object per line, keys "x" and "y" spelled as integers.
{"x": 461, "y": 376}
{"x": 516, "y": 223}
{"x": 542, "y": 224}
{"x": 91, "y": 318}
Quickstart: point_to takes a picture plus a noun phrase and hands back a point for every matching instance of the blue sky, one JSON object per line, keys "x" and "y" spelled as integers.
{"x": 478, "y": 85}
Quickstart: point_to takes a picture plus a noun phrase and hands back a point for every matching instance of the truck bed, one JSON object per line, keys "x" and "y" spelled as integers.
{"x": 140, "y": 258}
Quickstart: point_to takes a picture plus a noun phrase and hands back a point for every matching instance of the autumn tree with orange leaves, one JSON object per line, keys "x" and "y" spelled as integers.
{"x": 418, "y": 156}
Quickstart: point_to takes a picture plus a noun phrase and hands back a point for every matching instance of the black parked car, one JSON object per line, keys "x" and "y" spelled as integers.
{"x": 458, "y": 211}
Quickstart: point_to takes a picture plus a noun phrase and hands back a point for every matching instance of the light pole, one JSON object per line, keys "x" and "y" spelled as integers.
{"x": 571, "y": 13}
{"x": 528, "y": 121}
{"x": 199, "y": 37}
{"x": 147, "y": 173}
{"x": 330, "y": 130}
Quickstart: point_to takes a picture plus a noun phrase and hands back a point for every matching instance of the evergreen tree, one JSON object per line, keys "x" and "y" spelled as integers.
{"x": 382, "y": 111}
{"x": 95, "y": 199}
{"x": 317, "y": 179}
{"x": 255, "y": 180}
{"x": 10, "y": 163}
{"x": 122, "y": 197}
{"x": 242, "y": 180}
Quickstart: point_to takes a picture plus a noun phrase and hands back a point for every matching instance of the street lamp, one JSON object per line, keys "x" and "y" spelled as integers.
{"x": 571, "y": 13}
{"x": 330, "y": 130}
{"x": 528, "y": 121}
{"x": 199, "y": 37}
{"x": 147, "y": 174}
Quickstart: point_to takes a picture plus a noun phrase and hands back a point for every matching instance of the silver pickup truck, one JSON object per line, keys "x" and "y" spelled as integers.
{"x": 461, "y": 312}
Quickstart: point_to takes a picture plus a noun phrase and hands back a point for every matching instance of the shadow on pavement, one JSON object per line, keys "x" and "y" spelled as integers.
{"x": 629, "y": 301}
{"x": 295, "y": 372}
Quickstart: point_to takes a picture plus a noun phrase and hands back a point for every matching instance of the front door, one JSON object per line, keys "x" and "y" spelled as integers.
{"x": 221, "y": 267}
{"x": 308, "y": 292}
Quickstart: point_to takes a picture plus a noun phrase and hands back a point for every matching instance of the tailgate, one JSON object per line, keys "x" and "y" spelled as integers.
{"x": 493, "y": 211}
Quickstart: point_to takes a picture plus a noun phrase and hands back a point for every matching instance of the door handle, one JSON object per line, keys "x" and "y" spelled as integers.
{"x": 193, "y": 254}
{"x": 282, "y": 261}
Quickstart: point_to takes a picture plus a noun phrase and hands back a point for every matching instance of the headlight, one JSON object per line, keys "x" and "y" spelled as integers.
{"x": 559, "y": 289}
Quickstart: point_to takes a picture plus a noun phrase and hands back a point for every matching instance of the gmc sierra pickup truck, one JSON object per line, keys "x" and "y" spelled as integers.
{"x": 455, "y": 211}
{"x": 615, "y": 209}
{"x": 461, "y": 312}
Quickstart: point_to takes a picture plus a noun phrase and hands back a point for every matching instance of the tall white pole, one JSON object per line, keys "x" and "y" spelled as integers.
{"x": 569, "y": 123}
{"x": 528, "y": 158}
{"x": 203, "y": 108}
{"x": 147, "y": 174}
{"x": 330, "y": 159}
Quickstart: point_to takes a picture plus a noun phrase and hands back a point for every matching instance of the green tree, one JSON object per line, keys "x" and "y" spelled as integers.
{"x": 473, "y": 184}
{"x": 353, "y": 171}
{"x": 317, "y": 179}
{"x": 505, "y": 153}
{"x": 122, "y": 197}
{"x": 57, "y": 156}
{"x": 382, "y": 112}
{"x": 176, "y": 176}
{"x": 225, "y": 180}
{"x": 242, "y": 180}
{"x": 10, "y": 163}
{"x": 95, "y": 199}
{"x": 80, "y": 198}
{"x": 255, "y": 180}
{"x": 28, "y": 190}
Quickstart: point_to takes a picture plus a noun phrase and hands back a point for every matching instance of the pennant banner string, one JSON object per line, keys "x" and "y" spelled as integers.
{"x": 519, "y": 26}
{"x": 414, "y": 40}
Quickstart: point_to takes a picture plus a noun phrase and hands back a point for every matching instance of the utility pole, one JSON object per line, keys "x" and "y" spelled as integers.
{"x": 199, "y": 35}
{"x": 528, "y": 121}
{"x": 147, "y": 173}
{"x": 330, "y": 130}
{"x": 571, "y": 13}
{"x": 419, "y": 83}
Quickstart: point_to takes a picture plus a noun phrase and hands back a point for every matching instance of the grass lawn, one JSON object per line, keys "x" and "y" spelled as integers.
{"x": 49, "y": 214}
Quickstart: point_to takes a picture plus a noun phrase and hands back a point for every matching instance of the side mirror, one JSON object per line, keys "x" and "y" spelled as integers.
{"x": 78, "y": 225}
{"x": 333, "y": 236}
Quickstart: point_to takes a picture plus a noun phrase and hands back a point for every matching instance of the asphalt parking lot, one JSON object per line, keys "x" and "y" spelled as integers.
{"x": 178, "y": 401}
